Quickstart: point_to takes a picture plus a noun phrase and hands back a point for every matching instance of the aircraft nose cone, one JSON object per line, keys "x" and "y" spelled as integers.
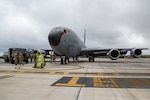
{"x": 54, "y": 37}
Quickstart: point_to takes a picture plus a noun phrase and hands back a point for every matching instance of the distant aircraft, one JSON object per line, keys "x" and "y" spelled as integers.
{"x": 66, "y": 43}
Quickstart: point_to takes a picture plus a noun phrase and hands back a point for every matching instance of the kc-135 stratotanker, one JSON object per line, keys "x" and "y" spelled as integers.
{"x": 66, "y": 43}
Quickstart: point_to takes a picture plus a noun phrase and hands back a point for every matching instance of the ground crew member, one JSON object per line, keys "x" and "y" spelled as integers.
{"x": 40, "y": 61}
{"x": 35, "y": 58}
{"x": 31, "y": 57}
{"x": 20, "y": 58}
{"x": 16, "y": 58}
{"x": 52, "y": 56}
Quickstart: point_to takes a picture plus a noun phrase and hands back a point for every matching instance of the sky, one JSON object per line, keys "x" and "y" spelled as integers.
{"x": 108, "y": 23}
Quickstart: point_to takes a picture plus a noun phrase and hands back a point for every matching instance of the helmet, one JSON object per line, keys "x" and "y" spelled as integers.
{"x": 38, "y": 51}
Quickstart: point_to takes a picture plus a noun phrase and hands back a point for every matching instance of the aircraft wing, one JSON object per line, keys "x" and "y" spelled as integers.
{"x": 47, "y": 51}
{"x": 113, "y": 53}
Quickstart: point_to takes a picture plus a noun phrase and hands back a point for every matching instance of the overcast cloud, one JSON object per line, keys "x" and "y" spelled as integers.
{"x": 109, "y": 23}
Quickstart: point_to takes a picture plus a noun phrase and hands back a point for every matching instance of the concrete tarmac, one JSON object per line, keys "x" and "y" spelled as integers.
{"x": 104, "y": 79}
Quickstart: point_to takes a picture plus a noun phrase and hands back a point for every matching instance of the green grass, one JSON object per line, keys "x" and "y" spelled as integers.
{"x": 145, "y": 56}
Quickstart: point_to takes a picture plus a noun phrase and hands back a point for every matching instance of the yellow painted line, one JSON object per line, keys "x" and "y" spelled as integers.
{"x": 100, "y": 73}
{"x": 114, "y": 82}
{"x": 134, "y": 83}
{"x": 144, "y": 81}
{"x": 106, "y": 82}
{"x": 21, "y": 71}
{"x": 9, "y": 71}
{"x": 117, "y": 74}
{"x": 107, "y": 86}
{"x": 66, "y": 73}
{"x": 6, "y": 76}
{"x": 52, "y": 72}
{"x": 97, "y": 82}
{"x": 72, "y": 82}
{"x": 119, "y": 84}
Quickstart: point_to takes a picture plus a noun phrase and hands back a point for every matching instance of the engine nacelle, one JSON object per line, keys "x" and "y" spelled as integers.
{"x": 114, "y": 54}
{"x": 136, "y": 53}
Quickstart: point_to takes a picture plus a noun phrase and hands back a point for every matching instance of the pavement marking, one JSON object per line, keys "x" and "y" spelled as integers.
{"x": 9, "y": 71}
{"x": 147, "y": 82}
{"x": 42, "y": 71}
{"x": 52, "y": 72}
{"x": 134, "y": 83}
{"x": 100, "y": 73}
{"x": 114, "y": 82}
{"x": 72, "y": 82}
{"x": 66, "y": 73}
{"x": 6, "y": 76}
{"x": 21, "y": 71}
{"x": 98, "y": 82}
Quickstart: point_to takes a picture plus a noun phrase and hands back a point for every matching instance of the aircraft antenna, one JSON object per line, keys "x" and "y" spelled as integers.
{"x": 84, "y": 36}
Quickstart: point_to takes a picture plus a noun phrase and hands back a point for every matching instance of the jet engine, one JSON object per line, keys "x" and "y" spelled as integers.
{"x": 136, "y": 53}
{"x": 114, "y": 54}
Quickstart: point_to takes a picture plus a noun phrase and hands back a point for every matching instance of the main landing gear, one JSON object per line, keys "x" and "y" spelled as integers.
{"x": 91, "y": 59}
{"x": 75, "y": 59}
{"x": 64, "y": 60}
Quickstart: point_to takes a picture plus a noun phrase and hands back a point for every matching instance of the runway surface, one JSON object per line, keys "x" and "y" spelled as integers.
{"x": 125, "y": 79}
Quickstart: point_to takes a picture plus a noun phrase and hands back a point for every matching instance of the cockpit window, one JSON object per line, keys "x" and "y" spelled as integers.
{"x": 65, "y": 31}
{"x": 57, "y": 29}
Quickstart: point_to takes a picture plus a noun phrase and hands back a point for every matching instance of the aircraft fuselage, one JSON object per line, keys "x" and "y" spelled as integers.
{"x": 65, "y": 42}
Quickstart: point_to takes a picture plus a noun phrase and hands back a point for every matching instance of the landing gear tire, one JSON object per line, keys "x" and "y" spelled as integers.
{"x": 91, "y": 58}
{"x": 64, "y": 60}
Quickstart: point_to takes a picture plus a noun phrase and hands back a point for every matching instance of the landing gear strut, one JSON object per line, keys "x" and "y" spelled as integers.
{"x": 64, "y": 60}
{"x": 75, "y": 59}
{"x": 91, "y": 58}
